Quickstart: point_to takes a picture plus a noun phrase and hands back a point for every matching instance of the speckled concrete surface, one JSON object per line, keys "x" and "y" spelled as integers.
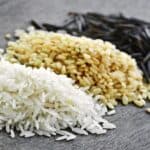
{"x": 133, "y": 124}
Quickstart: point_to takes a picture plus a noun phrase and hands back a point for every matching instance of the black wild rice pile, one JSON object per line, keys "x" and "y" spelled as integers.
{"x": 130, "y": 35}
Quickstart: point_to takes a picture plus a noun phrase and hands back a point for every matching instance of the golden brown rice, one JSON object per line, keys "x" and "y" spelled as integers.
{"x": 108, "y": 73}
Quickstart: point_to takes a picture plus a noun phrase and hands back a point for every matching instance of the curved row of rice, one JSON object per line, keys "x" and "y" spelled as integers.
{"x": 107, "y": 73}
{"x": 38, "y": 101}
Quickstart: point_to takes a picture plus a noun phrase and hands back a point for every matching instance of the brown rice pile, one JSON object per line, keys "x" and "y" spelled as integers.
{"x": 106, "y": 72}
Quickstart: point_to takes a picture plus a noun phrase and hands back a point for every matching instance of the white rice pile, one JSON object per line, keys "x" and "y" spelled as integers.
{"x": 37, "y": 101}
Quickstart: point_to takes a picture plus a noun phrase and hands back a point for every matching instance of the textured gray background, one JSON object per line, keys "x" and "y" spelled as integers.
{"x": 133, "y": 124}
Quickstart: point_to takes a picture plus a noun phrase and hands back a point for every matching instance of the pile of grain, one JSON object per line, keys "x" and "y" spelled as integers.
{"x": 107, "y": 73}
{"x": 37, "y": 101}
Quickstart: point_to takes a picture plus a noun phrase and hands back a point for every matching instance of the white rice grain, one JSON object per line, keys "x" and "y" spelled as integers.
{"x": 37, "y": 101}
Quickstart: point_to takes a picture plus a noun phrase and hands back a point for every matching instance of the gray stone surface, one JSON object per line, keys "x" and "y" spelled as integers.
{"x": 133, "y": 124}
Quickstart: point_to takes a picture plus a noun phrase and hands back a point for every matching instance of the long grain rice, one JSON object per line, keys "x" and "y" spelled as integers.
{"x": 37, "y": 101}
